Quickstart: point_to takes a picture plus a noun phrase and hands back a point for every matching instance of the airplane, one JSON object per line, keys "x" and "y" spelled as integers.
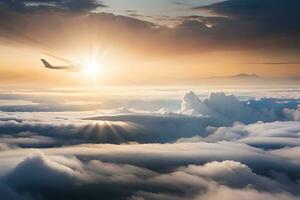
{"x": 73, "y": 67}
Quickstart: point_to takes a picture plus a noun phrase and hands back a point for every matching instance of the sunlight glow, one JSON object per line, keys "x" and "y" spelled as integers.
{"x": 93, "y": 71}
{"x": 92, "y": 68}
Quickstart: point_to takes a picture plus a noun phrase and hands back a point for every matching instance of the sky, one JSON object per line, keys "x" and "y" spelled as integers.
{"x": 164, "y": 42}
{"x": 173, "y": 100}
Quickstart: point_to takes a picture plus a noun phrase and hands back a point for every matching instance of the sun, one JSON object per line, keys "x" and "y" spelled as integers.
{"x": 93, "y": 65}
{"x": 92, "y": 68}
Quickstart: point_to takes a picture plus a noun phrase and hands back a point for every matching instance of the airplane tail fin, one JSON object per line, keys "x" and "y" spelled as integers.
{"x": 46, "y": 63}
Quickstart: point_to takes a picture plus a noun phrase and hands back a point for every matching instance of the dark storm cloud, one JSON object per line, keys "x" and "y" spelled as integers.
{"x": 257, "y": 20}
{"x": 66, "y": 5}
{"x": 275, "y": 16}
{"x": 240, "y": 24}
{"x": 79, "y": 5}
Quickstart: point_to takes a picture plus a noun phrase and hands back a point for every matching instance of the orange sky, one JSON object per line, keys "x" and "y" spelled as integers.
{"x": 132, "y": 51}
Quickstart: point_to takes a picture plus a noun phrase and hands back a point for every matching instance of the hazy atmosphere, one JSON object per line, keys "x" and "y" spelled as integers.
{"x": 149, "y": 100}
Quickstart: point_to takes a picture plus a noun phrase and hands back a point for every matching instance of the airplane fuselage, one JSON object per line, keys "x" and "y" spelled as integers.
{"x": 70, "y": 68}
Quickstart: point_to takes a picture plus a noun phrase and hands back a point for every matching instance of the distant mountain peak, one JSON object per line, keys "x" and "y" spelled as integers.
{"x": 239, "y": 76}
{"x": 245, "y": 76}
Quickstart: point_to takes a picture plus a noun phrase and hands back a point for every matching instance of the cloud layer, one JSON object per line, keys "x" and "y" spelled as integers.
{"x": 237, "y": 24}
{"x": 111, "y": 171}
{"x": 211, "y": 147}
{"x": 195, "y": 118}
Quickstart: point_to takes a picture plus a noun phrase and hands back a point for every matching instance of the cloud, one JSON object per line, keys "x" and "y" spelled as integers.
{"x": 8, "y": 193}
{"x": 210, "y": 119}
{"x": 56, "y": 174}
{"x": 292, "y": 114}
{"x": 192, "y": 105}
{"x": 259, "y": 20}
{"x": 95, "y": 179}
{"x": 290, "y": 153}
{"x": 80, "y": 5}
{"x": 229, "y": 109}
{"x": 247, "y": 194}
{"x": 65, "y": 5}
{"x": 103, "y": 129}
{"x": 196, "y": 152}
{"x": 162, "y": 157}
{"x": 272, "y": 135}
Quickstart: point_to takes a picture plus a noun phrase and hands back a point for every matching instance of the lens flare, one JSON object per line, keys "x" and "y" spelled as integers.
{"x": 92, "y": 68}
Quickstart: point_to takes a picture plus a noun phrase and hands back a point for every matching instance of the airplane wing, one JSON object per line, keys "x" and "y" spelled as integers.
{"x": 71, "y": 67}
